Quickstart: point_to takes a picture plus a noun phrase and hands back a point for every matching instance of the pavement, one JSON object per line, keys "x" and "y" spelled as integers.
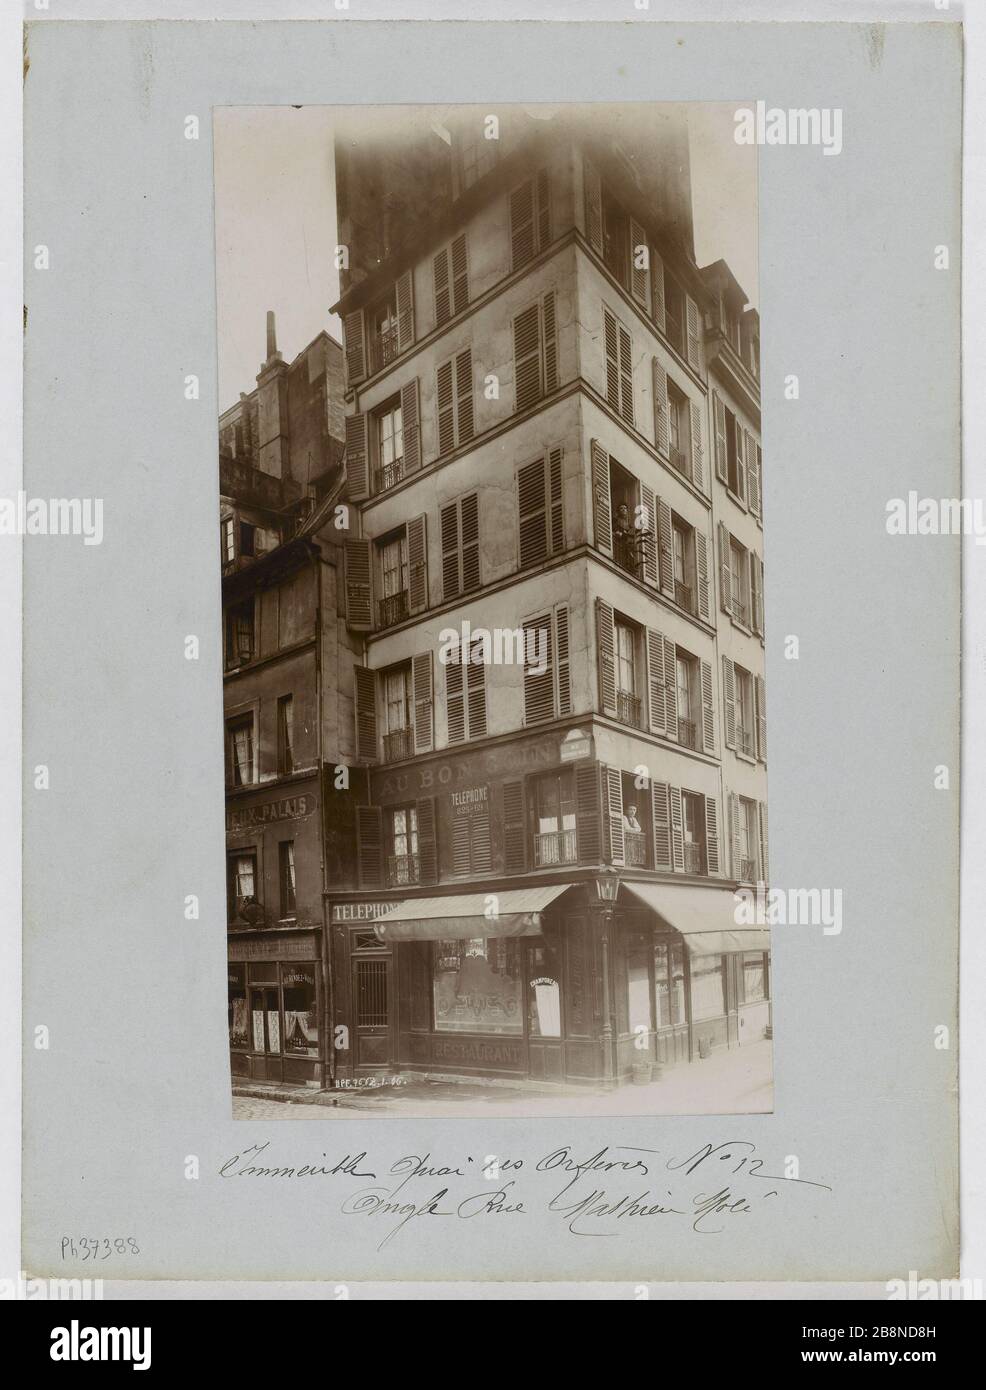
{"x": 734, "y": 1081}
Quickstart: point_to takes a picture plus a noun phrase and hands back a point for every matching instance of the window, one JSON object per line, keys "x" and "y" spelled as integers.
{"x": 300, "y": 1010}
{"x": 530, "y": 220}
{"x": 240, "y": 769}
{"x": 454, "y": 395}
{"x": 478, "y": 986}
{"x": 471, "y": 846}
{"x": 689, "y": 704}
{"x": 393, "y": 606}
{"x": 239, "y": 1037}
{"x": 241, "y": 883}
{"x": 554, "y": 826}
{"x": 398, "y": 739}
{"x": 618, "y": 366}
{"x": 473, "y": 156}
{"x": 383, "y": 333}
{"x": 460, "y": 546}
{"x": 626, "y": 645}
{"x": 708, "y": 998}
{"x": 451, "y": 280}
{"x": 739, "y": 573}
{"x": 669, "y": 982}
{"x": 547, "y": 682}
{"x": 541, "y": 510}
{"x": 683, "y": 559}
{"x": 693, "y": 823}
{"x": 616, "y": 240}
{"x": 389, "y": 424}
{"x": 735, "y": 470}
{"x": 465, "y": 691}
{"x": 674, "y": 312}
{"x": 289, "y": 902}
{"x": 285, "y": 735}
{"x": 228, "y": 540}
{"x": 748, "y": 840}
{"x": 239, "y": 634}
{"x": 754, "y": 977}
{"x": 535, "y": 352}
{"x": 636, "y": 823}
{"x": 744, "y": 712}
{"x": 544, "y": 994}
{"x": 403, "y": 864}
{"x": 629, "y": 539}
{"x": 678, "y": 429}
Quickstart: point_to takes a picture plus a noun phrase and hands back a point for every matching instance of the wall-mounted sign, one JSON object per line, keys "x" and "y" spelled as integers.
{"x": 243, "y": 818}
{"x": 360, "y": 912}
{"x": 467, "y": 800}
{"x": 576, "y": 744}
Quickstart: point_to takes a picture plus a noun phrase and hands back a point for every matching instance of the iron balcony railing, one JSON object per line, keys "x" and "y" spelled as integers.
{"x": 554, "y": 847}
{"x": 403, "y": 869}
{"x": 744, "y": 740}
{"x": 635, "y": 848}
{"x": 398, "y": 745}
{"x": 684, "y": 596}
{"x": 687, "y": 733}
{"x": 383, "y": 349}
{"x": 679, "y": 460}
{"x": 748, "y": 870}
{"x": 388, "y": 476}
{"x": 628, "y": 708}
{"x": 392, "y": 609}
{"x": 738, "y": 607}
{"x": 629, "y": 551}
{"x": 694, "y": 859}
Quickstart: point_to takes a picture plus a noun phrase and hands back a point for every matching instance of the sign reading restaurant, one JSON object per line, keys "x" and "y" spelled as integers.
{"x": 243, "y": 818}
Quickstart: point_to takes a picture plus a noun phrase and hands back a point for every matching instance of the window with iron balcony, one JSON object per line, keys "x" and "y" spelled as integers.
{"x": 383, "y": 334}
{"x": 554, "y": 829}
{"x": 627, "y": 648}
{"x": 389, "y": 446}
{"x": 403, "y": 862}
{"x": 398, "y": 738}
{"x": 392, "y": 607}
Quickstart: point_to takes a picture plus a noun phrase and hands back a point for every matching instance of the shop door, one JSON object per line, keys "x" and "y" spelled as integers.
{"x": 671, "y": 1035}
{"x": 373, "y": 1000}
{"x": 544, "y": 1021}
{"x": 265, "y": 1033}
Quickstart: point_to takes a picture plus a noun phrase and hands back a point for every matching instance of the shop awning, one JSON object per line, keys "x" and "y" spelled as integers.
{"x": 704, "y": 916}
{"x": 463, "y": 916}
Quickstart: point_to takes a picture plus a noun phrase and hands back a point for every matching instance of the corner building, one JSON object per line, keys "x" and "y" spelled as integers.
{"x": 546, "y": 858}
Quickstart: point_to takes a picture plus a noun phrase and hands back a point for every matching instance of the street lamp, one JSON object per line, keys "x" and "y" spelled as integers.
{"x": 607, "y": 888}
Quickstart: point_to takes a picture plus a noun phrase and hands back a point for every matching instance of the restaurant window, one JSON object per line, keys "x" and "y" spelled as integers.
{"x": 392, "y": 551}
{"x": 544, "y": 990}
{"x": 754, "y": 977}
{"x": 300, "y": 1010}
{"x": 285, "y": 735}
{"x": 398, "y": 735}
{"x": 554, "y": 807}
{"x": 239, "y": 1037}
{"x": 289, "y": 898}
{"x": 669, "y": 983}
{"x": 239, "y": 751}
{"x": 693, "y": 820}
{"x": 389, "y": 445}
{"x": 708, "y": 999}
{"x": 478, "y": 985}
{"x": 239, "y": 633}
{"x": 241, "y": 880}
{"x": 403, "y": 863}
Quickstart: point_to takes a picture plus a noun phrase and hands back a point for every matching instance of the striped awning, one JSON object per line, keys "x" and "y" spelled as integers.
{"x": 704, "y": 916}
{"x": 465, "y": 916}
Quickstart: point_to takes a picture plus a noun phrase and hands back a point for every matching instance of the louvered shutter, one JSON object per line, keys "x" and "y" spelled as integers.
{"x": 657, "y": 290}
{"x": 357, "y": 467}
{"x": 445, "y": 394}
{"x": 469, "y": 514}
{"x": 649, "y": 520}
{"x": 543, "y": 197}
{"x": 353, "y": 333}
{"x": 759, "y": 506}
{"x": 356, "y": 568}
{"x": 443, "y": 296}
{"x": 602, "y": 518}
{"x": 562, "y": 660}
{"x": 539, "y": 678}
{"x": 760, "y": 691}
{"x": 460, "y": 274}
{"x": 481, "y": 856}
{"x": 593, "y": 207}
{"x": 613, "y": 793}
{"x": 665, "y": 535}
{"x": 756, "y": 593}
{"x": 733, "y": 808}
{"x": 556, "y": 506}
{"x": 369, "y": 846}
{"x": 711, "y": 835}
{"x": 455, "y": 701}
{"x": 725, "y": 576}
{"x": 424, "y": 704}
{"x": 461, "y": 842}
{"x": 550, "y": 343}
{"x": 533, "y": 514}
{"x": 662, "y": 434}
{"x": 514, "y": 828}
{"x": 587, "y": 818}
{"x": 708, "y": 714}
{"x": 670, "y": 688}
{"x": 626, "y": 376}
{"x": 611, "y": 348}
{"x": 764, "y": 861}
{"x": 693, "y": 324}
{"x": 752, "y": 480}
{"x": 451, "y": 583}
{"x": 741, "y": 437}
{"x": 639, "y": 274}
{"x": 527, "y": 357}
{"x": 606, "y": 643}
{"x": 656, "y": 704}
{"x": 411, "y": 424}
{"x": 522, "y": 228}
{"x": 729, "y": 701}
{"x": 698, "y": 447}
{"x": 405, "y": 311}
{"x": 719, "y": 419}
{"x": 702, "y": 575}
{"x": 366, "y": 712}
{"x": 463, "y": 397}
{"x": 427, "y": 840}
{"x": 417, "y": 565}
{"x": 476, "y": 695}
{"x": 677, "y": 830}
{"x": 662, "y": 825}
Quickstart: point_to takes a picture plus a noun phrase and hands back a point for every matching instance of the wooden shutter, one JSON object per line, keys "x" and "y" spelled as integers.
{"x": 665, "y": 536}
{"x": 626, "y": 375}
{"x": 443, "y": 296}
{"x": 562, "y": 660}
{"x": 353, "y": 333}
{"x": 445, "y": 394}
{"x": 455, "y": 701}
{"x": 460, "y": 274}
{"x": 729, "y": 701}
{"x": 411, "y": 424}
{"x": 356, "y": 568}
{"x": 657, "y": 290}
{"x": 366, "y": 711}
{"x": 357, "y": 466}
{"x": 587, "y": 820}
{"x": 756, "y": 593}
{"x": 693, "y": 324}
{"x": 481, "y": 855}
{"x": 523, "y": 233}
{"x": 417, "y": 565}
{"x": 719, "y": 419}
{"x": 543, "y": 200}
{"x": 533, "y": 513}
{"x": 550, "y": 341}
{"x": 539, "y": 684}
{"x": 476, "y": 696}
{"x": 606, "y": 644}
{"x": 469, "y": 539}
{"x": 752, "y": 479}
{"x": 698, "y": 447}
{"x": 602, "y": 517}
{"x": 656, "y": 704}
{"x": 451, "y": 553}
{"x": 708, "y": 713}
{"x": 733, "y": 811}
{"x": 424, "y": 704}
{"x": 613, "y": 794}
{"x": 702, "y": 575}
{"x": 758, "y": 509}
{"x": 670, "y": 688}
{"x": 639, "y": 275}
{"x": 711, "y": 835}
{"x": 649, "y": 535}
{"x": 460, "y": 546}
{"x": 593, "y": 207}
{"x": 463, "y": 397}
{"x": 662, "y": 825}
{"x": 514, "y": 828}
{"x": 527, "y": 358}
{"x": 611, "y": 350}
{"x": 427, "y": 840}
{"x": 461, "y": 841}
{"x": 760, "y": 694}
{"x": 740, "y": 436}
{"x": 677, "y": 830}
{"x": 725, "y": 576}
{"x": 764, "y": 862}
{"x": 369, "y": 846}
{"x": 662, "y": 432}
{"x": 555, "y": 502}
{"x": 405, "y": 311}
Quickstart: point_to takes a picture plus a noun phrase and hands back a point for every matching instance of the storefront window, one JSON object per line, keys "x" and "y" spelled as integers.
{"x": 754, "y": 977}
{"x": 237, "y": 1013}
{"x": 478, "y": 986}
{"x": 544, "y": 991}
{"x": 708, "y": 1000}
{"x": 669, "y": 981}
{"x": 300, "y": 1016}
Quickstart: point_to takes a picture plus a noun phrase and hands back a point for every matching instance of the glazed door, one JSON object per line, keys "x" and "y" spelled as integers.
{"x": 373, "y": 1007}
{"x": 544, "y": 1005}
{"x": 671, "y": 1035}
{"x": 265, "y": 1033}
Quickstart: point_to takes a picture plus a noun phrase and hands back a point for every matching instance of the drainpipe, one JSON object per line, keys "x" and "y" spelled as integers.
{"x": 328, "y": 986}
